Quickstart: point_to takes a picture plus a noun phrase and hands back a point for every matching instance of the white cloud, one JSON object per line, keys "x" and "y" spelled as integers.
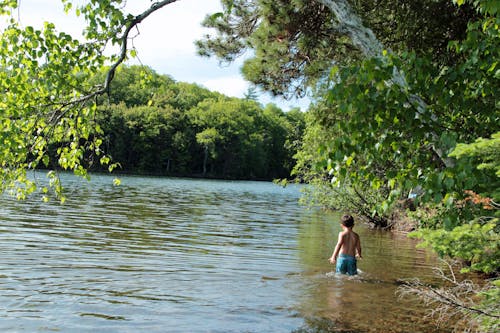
{"x": 172, "y": 30}
{"x": 232, "y": 86}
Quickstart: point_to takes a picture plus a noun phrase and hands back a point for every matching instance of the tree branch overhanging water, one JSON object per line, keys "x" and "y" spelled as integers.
{"x": 366, "y": 41}
{"x": 123, "y": 51}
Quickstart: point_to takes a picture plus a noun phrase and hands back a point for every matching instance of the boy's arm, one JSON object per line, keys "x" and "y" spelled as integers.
{"x": 335, "y": 254}
{"x": 358, "y": 247}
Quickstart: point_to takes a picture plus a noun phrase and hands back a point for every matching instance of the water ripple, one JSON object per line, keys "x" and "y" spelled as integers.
{"x": 152, "y": 250}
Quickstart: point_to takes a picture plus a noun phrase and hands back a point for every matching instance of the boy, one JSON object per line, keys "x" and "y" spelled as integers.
{"x": 348, "y": 246}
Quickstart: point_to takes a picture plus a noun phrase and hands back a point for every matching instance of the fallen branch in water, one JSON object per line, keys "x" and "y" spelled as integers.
{"x": 456, "y": 303}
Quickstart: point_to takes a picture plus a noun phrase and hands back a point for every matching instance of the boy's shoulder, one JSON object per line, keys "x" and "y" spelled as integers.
{"x": 345, "y": 233}
{"x": 349, "y": 232}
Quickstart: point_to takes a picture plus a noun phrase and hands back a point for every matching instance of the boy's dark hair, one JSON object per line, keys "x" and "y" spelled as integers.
{"x": 347, "y": 221}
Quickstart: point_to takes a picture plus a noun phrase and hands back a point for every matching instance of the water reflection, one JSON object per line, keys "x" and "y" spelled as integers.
{"x": 193, "y": 256}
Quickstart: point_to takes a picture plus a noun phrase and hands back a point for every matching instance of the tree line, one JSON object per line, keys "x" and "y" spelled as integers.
{"x": 165, "y": 127}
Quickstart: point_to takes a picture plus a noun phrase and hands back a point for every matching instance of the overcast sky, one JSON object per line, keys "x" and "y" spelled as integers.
{"x": 165, "y": 42}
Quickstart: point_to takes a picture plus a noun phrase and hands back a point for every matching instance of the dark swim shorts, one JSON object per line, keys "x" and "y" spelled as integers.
{"x": 346, "y": 264}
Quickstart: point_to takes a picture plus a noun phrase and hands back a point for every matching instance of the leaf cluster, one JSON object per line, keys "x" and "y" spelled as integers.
{"x": 388, "y": 136}
{"x": 49, "y": 100}
{"x": 43, "y": 73}
{"x": 478, "y": 244}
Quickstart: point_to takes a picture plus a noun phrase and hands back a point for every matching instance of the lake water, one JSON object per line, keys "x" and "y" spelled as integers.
{"x": 183, "y": 255}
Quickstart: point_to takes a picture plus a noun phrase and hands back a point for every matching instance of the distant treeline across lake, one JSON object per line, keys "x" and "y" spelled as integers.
{"x": 159, "y": 126}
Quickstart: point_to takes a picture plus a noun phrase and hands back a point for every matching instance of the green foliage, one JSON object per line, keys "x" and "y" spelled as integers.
{"x": 486, "y": 155}
{"x": 43, "y": 75}
{"x": 489, "y": 7}
{"x": 470, "y": 229}
{"x": 423, "y": 27}
{"x": 245, "y": 140}
{"x": 387, "y": 136}
{"x": 292, "y": 40}
{"x": 389, "y": 125}
{"x": 478, "y": 244}
{"x": 490, "y": 300}
{"x": 187, "y": 130}
{"x": 295, "y": 42}
{"x": 324, "y": 191}
{"x": 134, "y": 85}
{"x": 53, "y": 91}
{"x": 208, "y": 137}
{"x": 48, "y": 104}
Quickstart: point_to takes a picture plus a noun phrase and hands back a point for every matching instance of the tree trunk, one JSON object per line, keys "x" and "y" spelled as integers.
{"x": 205, "y": 159}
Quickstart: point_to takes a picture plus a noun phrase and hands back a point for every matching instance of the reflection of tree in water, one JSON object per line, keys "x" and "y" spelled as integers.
{"x": 317, "y": 236}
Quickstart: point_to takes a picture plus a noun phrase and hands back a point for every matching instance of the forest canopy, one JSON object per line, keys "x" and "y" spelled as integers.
{"x": 182, "y": 129}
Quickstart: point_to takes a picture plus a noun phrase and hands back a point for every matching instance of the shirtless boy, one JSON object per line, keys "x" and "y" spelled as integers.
{"x": 347, "y": 249}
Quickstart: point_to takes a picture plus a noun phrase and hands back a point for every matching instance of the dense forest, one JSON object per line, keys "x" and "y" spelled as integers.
{"x": 404, "y": 126}
{"x": 181, "y": 129}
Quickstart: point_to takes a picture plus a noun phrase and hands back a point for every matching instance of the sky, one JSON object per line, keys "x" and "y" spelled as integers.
{"x": 165, "y": 42}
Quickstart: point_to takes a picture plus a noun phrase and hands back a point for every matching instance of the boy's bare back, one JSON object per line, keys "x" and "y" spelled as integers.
{"x": 349, "y": 242}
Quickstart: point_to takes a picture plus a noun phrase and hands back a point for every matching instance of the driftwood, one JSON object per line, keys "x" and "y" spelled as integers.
{"x": 455, "y": 302}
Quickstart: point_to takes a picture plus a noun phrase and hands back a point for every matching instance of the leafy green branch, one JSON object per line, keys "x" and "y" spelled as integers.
{"x": 48, "y": 104}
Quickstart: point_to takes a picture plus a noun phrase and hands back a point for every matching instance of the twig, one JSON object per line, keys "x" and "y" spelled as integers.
{"x": 123, "y": 53}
